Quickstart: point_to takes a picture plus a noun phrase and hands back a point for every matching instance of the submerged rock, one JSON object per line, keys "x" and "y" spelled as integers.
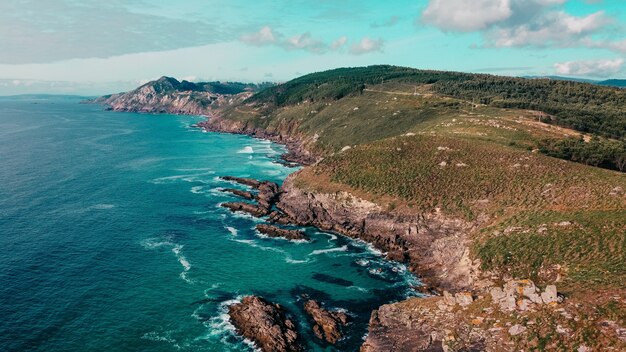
{"x": 266, "y": 324}
{"x": 273, "y": 231}
{"x": 328, "y": 324}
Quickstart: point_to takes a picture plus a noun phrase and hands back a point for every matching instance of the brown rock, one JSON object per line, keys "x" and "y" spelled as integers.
{"x": 264, "y": 323}
{"x": 251, "y": 209}
{"x": 273, "y": 231}
{"x": 242, "y": 180}
{"x": 327, "y": 323}
{"x": 240, "y": 193}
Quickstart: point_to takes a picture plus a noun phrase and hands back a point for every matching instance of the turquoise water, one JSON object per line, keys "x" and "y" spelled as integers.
{"x": 112, "y": 238}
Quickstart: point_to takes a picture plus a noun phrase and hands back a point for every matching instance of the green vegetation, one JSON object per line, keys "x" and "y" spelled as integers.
{"x": 581, "y": 106}
{"x": 608, "y": 154}
{"x": 545, "y": 213}
{"x": 169, "y": 85}
{"x": 588, "y": 245}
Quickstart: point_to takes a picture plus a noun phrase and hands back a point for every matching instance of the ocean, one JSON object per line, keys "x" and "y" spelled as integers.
{"x": 112, "y": 237}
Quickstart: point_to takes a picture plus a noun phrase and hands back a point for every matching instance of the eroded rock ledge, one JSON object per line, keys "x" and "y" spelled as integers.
{"x": 273, "y": 231}
{"x": 266, "y": 324}
{"x": 328, "y": 324}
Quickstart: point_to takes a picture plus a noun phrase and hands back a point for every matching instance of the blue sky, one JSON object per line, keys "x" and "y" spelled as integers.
{"x": 96, "y": 47}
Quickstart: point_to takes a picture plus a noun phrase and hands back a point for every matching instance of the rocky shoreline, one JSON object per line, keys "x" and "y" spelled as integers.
{"x": 435, "y": 247}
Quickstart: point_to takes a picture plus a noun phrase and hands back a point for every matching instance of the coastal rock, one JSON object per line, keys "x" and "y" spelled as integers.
{"x": 252, "y": 209}
{"x": 243, "y": 181}
{"x": 267, "y": 196}
{"x": 327, "y": 323}
{"x": 273, "y": 231}
{"x": 266, "y": 324}
{"x": 243, "y": 194}
{"x": 434, "y": 246}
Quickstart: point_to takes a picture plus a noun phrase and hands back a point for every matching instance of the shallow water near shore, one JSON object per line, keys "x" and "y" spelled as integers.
{"x": 112, "y": 238}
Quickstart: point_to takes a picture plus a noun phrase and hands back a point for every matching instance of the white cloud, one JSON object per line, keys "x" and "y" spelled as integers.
{"x": 554, "y": 28}
{"x": 339, "y": 43}
{"x": 267, "y": 36}
{"x": 263, "y": 37}
{"x": 593, "y": 68}
{"x": 465, "y": 16}
{"x": 306, "y": 42}
{"x": 519, "y": 23}
{"x": 367, "y": 45}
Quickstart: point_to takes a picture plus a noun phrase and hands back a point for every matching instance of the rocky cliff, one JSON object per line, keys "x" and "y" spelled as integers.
{"x": 168, "y": 95}
{"x": 435, "y": 247}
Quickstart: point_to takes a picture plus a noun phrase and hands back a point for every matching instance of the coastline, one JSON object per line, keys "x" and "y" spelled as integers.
{"x": 468, "y": 309}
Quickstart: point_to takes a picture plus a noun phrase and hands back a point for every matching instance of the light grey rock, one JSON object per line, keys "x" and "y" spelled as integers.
{"x": 549, "y": 295}
{"x": 464, "y": 299}
{"x": 516, "y": 330}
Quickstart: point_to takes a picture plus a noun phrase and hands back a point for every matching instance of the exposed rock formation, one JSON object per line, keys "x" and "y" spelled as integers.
{"x": 328, "y": 324}
{"x": 252, "y": 209}
{"x": 243, "y": 194}
{"x": 436, "y": 247}
{"x": 264, "y": 323}
{"x": 266, "y": 197}
{"x": 273, "y": 231}
{"x": 168, "y": 95}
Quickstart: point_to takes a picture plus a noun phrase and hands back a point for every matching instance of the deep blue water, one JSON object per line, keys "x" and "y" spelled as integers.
{"x": 112, "y": 238}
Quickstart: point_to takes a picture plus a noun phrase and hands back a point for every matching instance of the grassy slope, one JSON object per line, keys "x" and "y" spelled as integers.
{"x": 489, "y": 170}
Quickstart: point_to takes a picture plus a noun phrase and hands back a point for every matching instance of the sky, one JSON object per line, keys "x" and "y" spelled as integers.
{"x": 92, "y": 47}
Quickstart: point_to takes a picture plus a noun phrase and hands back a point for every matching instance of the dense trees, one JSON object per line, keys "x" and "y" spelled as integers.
{"x": 609, "y": 154}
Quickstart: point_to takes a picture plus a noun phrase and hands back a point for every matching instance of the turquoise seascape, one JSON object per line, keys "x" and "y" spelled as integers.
{"x": 112, "y": 237}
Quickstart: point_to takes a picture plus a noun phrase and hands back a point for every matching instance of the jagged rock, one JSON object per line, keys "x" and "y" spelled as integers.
{"x": 464, "y": 298}
{"x": 327, "y": 323}
{"x": 265, "y": 324}
{"x": 240, "y": 193}
{"x": 516, "y": 330}
{"x": 522, "y": 295}
{"x": 268, "y": 192}
{"x": 273, "y": 231}
{"x": 277, "y": 217}
{"x": 549, "y": 295}
{"x": 243, "y": 180}
{"x": 251, "y": 209}
{"x": 461, "y": 298}
{"x": 434, "y": 245}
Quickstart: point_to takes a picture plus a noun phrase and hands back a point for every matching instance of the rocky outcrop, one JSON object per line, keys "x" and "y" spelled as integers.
{"x": 436, "y": 247}
{"x": 266, "y": 324}
{"x": 287, "y": 134}
{"x": 463, "y": 322}
{"x": 273, "y": 231}
{"x": 522, "y": 295}
{"x": 248, "y": 208}
{"x": 243, "y": 194}
{"x": 327, "y": 324}
{"x": 168, "y": 95}
{"x": 266, "y": 197}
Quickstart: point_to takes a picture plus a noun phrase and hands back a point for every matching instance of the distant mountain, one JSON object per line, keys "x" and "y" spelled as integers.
{"x": 619, "y": 83}
{"x": 168, "y": 95}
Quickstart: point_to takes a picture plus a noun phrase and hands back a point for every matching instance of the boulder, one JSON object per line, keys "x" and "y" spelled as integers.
{"x": 549, "y": 295}
{"x": 266, "y": 324}
{"x": 328, "y": 324}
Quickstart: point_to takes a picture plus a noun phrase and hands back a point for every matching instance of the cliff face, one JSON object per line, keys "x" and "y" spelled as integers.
{"x": 434, "y": 246}
{"x": 167, "y": 95}
{"x": 297, "y": 143}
